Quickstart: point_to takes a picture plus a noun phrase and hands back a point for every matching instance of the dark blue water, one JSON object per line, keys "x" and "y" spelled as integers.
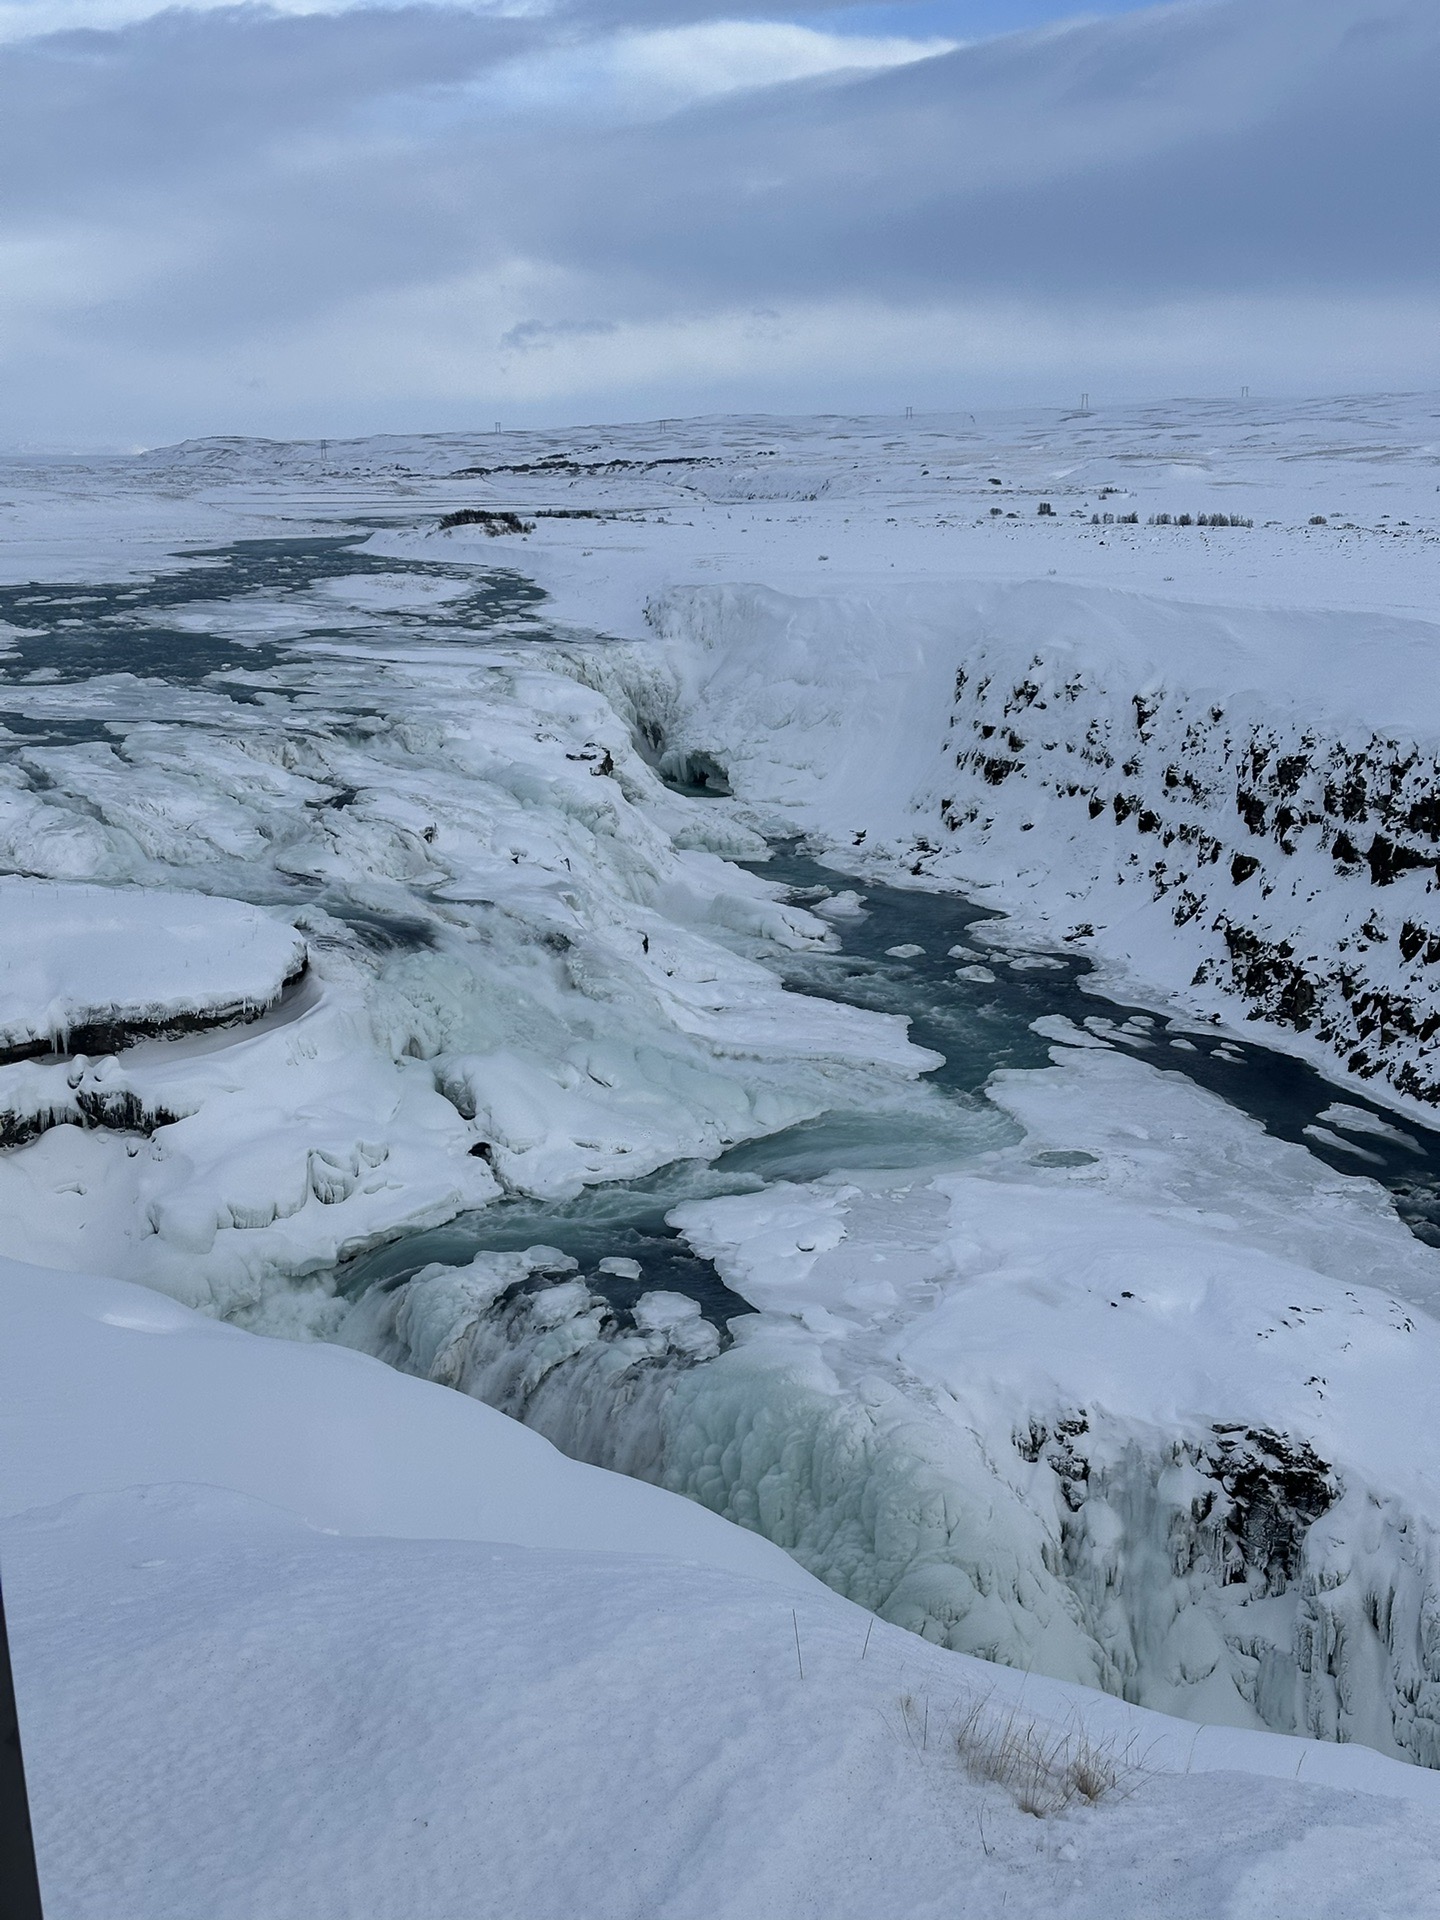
{"x": 980, "y": 1026}
{"x": 625, "y": 1220}
{"x": 73, "y": 632}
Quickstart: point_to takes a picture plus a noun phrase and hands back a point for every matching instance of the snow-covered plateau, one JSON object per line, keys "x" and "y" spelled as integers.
{"x": 407, "y": 949}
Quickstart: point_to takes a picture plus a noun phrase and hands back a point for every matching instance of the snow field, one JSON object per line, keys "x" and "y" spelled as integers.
{"x": 386, "y": 1651}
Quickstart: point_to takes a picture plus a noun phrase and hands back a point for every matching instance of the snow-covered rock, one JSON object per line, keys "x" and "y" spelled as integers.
{"x": 87, "y": 969}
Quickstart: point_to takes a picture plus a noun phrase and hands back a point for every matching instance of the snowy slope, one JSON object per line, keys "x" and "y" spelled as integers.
{"x": 384, "y": 1651}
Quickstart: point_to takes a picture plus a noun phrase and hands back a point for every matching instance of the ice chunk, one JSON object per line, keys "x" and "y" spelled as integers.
{"x": 549, "y": 1260}
{"x": 1341, "y": 1145}
{"x": 1055, "y": 1026}
{"x": 1358, "y": 1120}
{"x": 841, "y": 906}
{"x": 661, "y": 1310}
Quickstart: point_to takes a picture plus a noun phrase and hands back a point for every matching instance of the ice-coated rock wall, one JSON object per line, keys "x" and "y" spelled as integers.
{"x": 1161, "y": 1421}
{"x": 1240, "y": 807}
{"x": 1224, "y": 1575}
{"x": 1300, "y": 862}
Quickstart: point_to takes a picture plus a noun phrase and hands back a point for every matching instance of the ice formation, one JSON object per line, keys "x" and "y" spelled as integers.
{"x": 1157, "y": 1418}
{"x": 523, "y": 968}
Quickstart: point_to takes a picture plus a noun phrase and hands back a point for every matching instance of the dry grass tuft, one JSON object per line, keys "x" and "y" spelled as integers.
{"x": 1046, "y": 1769}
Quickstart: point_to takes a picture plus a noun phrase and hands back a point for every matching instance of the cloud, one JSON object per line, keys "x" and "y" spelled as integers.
{"x": 239, "y": 220}
{"x": 528, "y": 334}
{"x": 644, "y": 74}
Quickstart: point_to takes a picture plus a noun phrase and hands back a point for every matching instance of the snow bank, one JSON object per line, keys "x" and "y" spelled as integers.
{"x": 328, "y": 1437}
{"x": 382, "y": 1650}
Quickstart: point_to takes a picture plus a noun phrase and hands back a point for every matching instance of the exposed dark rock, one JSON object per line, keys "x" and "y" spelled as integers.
{"x": 489, "y": 520}
{"x": 1278, "y": 1487}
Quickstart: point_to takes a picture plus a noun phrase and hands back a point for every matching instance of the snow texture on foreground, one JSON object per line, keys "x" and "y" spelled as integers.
{"x": 382, "y": 1651}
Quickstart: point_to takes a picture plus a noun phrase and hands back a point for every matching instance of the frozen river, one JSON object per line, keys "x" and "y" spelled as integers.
{"x": 979, "y": 1025}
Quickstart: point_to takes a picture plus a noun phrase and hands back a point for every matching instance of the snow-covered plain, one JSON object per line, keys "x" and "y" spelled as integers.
{"x": 1108, "y": 1385}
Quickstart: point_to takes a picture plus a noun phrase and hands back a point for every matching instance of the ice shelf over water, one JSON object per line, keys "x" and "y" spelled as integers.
{"x": 93, "y": 967}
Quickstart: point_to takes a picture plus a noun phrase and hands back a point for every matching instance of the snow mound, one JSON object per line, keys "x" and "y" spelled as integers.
{"x": 89, "y": 969}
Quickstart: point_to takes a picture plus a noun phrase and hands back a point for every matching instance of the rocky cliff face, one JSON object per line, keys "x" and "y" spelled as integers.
{"x": 1298, "y": 866}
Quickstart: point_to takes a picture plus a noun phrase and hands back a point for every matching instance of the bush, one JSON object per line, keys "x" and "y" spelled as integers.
{"x": 493, "y": 520}
{"x": 1199, "y": 520}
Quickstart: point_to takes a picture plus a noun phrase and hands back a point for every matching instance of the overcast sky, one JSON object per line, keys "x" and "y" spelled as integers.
{"x": 331, "y": 219}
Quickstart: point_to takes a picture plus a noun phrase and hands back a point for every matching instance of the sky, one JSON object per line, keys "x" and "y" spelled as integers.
{"x": 316, "y": 218}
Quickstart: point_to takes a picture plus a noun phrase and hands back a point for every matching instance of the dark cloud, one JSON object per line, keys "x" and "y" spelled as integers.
{"x": 200, "y": 207}
{"x": 1233, "y": 148}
